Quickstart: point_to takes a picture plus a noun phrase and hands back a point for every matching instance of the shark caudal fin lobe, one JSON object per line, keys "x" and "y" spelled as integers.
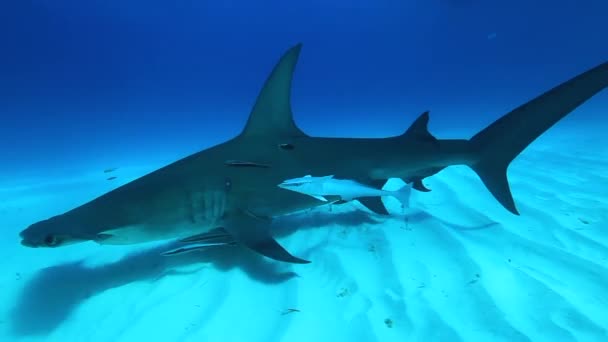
{"x": 271, "y": 116}
{"x": 499, "y": 143}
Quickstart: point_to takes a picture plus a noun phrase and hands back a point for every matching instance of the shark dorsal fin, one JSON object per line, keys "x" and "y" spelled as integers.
{"x": 419, "y": 130}
{"x": 271, "y": 115}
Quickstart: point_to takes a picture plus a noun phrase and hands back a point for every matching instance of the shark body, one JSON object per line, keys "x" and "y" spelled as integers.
{"x": 233, "y": 185}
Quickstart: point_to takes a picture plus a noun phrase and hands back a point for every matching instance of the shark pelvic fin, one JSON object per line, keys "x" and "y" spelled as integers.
{"x": 503, "y": 140}
{"x": 374, "y": 204}
{"x": 418, "y": 185}
{"x": 271, "y": 116}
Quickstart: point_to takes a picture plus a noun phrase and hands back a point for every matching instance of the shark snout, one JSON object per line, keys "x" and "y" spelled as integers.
{"x": 27, "y": 243}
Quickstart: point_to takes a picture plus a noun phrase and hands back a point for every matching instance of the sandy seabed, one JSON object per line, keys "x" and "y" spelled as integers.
{"x": 454, "y": 267}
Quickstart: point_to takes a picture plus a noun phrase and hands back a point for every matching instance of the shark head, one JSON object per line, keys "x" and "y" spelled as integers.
{"x": 49, "y": 233}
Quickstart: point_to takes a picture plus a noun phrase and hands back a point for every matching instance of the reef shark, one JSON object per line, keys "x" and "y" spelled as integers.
{"x": 232, "y": 186}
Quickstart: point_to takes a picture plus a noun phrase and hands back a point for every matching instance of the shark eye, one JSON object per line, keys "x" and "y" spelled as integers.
{"x": 50, "y": 240}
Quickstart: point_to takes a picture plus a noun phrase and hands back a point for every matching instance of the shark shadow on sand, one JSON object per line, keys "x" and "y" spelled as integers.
{"x": 420, "y": 216}
{"x": 49, "y": 298}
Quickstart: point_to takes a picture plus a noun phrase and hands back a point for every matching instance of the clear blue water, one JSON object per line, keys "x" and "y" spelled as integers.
{"x": 168, "y": 77}
{"x": 87, "y": 85}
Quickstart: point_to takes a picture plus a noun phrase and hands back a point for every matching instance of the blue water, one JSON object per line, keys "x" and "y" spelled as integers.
{"x": 110, "y": 79}
{"x": 87, "y": 85}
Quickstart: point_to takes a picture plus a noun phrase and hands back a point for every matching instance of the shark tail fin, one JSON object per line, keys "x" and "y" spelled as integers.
{"x": 503, "y": 140}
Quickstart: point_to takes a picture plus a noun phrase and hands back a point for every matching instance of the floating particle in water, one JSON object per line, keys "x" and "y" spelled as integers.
{"x": 343, "y": 292}
{"x": 288, "y": 311}
{"x": 371, "y": 248}
{"x": 388, "y": 322}
{"x": 492, "y": 36}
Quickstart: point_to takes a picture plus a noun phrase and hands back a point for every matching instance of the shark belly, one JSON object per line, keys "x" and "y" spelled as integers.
{"x": 173, "y": 218}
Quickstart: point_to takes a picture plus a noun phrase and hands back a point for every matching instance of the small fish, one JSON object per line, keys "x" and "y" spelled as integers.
{"x": 288, "y": 311}
{"x": 348, "y": 190}
{"x": 112, "y": 169}
{"x": 112, "y": 178}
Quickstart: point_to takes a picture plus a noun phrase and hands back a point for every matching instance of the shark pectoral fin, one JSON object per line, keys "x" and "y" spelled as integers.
{"x": 255, "y": 234}
{"x": 417, "y": 184}
{"x": 374, "y": 204}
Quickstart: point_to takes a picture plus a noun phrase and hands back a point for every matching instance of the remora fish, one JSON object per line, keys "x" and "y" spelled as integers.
{"x": 233, "y": 185}
{"x": 346, "y": 189}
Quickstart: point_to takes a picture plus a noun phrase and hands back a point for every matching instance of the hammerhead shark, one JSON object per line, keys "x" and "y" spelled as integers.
{"x": 232, "y": 186}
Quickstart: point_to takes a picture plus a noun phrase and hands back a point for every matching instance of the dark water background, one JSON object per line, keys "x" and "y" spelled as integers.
{"x": 102, "y": 83}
